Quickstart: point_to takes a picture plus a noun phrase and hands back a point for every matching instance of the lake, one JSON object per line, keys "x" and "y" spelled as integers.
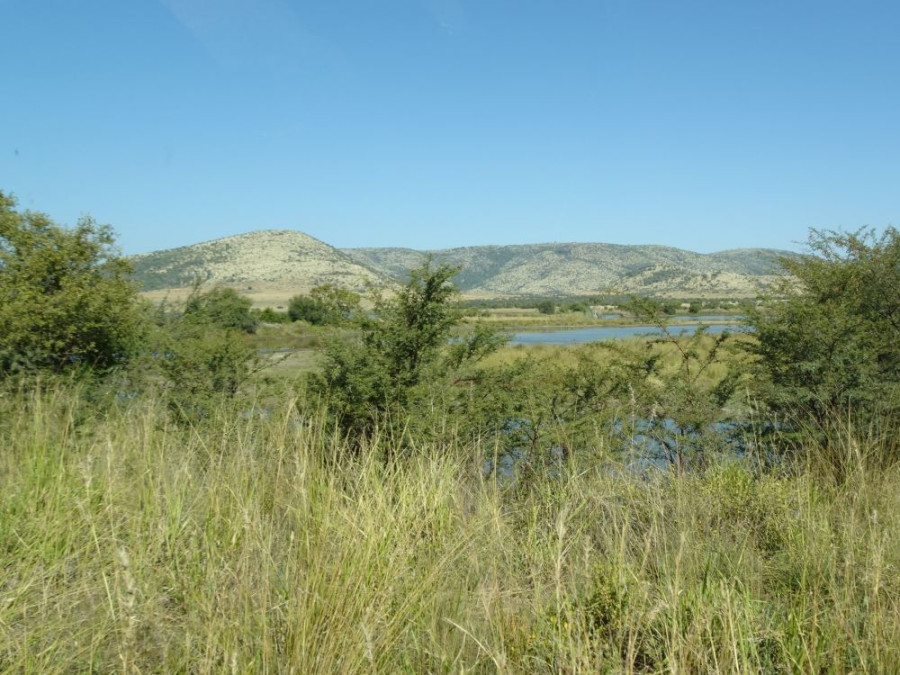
{"x": 708, "y": 318}
{"x": 574, "y": 336}
{"x": 702, "y": 318}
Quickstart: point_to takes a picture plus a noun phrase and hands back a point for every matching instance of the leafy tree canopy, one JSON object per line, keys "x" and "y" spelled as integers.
{"x": 66, "y": 295}
{"x": 403, "y": 357}
{"x": 832, "y": 344}
{"x": 325, "y": 305}
{"x": 202, "y": 355}
{"x": 546, "y": 307}
{"x": 223, "y": 307}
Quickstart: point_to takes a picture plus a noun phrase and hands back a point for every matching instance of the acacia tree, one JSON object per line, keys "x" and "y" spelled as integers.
{"x": 66, "y": 296}
{"x": 681, "y": 386}
{"x": 402, "y": 357}
{"x": 830, "y": 346}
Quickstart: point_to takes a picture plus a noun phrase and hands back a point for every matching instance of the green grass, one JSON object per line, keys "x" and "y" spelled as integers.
{"x": 519, "y": 319}
{"x": 255, "y": 544}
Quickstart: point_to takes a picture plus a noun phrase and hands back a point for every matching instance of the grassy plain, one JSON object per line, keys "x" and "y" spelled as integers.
{"x": 256, "y": 543}
{"x": 531, "y": 319}
{"x": 275, "y": 296}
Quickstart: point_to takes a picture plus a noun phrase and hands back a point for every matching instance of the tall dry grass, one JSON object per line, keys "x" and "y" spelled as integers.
{"x": 259, "y": 544}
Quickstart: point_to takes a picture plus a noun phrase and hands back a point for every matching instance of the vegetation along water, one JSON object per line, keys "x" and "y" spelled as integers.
{"x": 172, "y": 500}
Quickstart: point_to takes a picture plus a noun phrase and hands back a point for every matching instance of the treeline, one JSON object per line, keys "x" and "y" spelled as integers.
{"x": 575, "y": 302}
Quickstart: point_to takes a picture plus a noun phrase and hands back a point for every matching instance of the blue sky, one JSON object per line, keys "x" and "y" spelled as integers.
{"x": 435, "y": 123}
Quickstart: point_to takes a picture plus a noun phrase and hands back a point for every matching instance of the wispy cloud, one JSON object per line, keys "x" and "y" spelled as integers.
{"x": 449, "y": 14}
{"x": 252, "y": 34}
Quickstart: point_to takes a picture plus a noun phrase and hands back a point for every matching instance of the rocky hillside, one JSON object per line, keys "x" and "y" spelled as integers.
{"x": 571, "y": 269}
{"x": 269, "y": 257}
{"x": 289, "y": 261}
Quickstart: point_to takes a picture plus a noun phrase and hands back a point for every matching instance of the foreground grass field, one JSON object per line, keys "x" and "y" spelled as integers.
{"x": 255, "y": 543}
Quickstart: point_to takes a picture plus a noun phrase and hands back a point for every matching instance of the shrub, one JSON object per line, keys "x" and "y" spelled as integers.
{"x": 580, "y": 307}
{"x": 223, "y": 307}
{"x": 402, "y": 356}
{"x": 546, "y": 307}
{"x": 684, "y": 386}
{"x": 203, "y": 355}
{"x": 831, "y": 345}
{"x": 201, "y": 366}
{"x": 269, "y": 315}
{"x": 545, "y": 409}
{"x": 66, "y": 296}
{"x": 325, "y": 305}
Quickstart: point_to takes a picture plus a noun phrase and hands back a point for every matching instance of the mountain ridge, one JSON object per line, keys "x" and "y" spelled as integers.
{"x": 561, "y": 268}
{"x": 293, "y": 260}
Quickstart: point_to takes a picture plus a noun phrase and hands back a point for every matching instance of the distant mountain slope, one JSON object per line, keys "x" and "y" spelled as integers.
{"x": 274, "y": 257}
{"x": 752, "y": 260}
{"x": 563, "y": 269}
{"x": 287, "y": 261}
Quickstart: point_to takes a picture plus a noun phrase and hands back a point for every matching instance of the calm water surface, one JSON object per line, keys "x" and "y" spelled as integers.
{"x": 574, "y": 336}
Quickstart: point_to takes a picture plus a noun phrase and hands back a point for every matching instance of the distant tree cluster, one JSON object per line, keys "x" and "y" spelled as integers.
{"x": 325, "y": 305}
{"x": 546, "y": 307}
{"x": 576, "y": 307}
{"x": 222, "y": 307}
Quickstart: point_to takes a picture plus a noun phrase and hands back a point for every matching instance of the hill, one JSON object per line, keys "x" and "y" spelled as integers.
{"x": 274, "y": 264}
{"x": 270, "y": 258}
{"x": 573, "y": 269}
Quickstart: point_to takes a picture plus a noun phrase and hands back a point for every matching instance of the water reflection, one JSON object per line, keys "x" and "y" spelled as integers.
{"x": 643, "y": 447}
{"x": 584, "y": 335}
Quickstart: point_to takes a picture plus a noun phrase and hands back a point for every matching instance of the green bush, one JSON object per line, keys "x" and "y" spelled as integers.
{"x": 829, "y": 348}
{"x": 401, "y": 362}
{"x": 202, "y": 366}
{"x": 580, "y": 307}
{"x": 269, "y": 315}
{"x": 325, "y": 305}
{"x": 202, "y": 355}
{"x": 683, "y": 387}
{"x": 223, "y": 307}
{"x": 546, "y": 307}
{"x": 66, "y": 297}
